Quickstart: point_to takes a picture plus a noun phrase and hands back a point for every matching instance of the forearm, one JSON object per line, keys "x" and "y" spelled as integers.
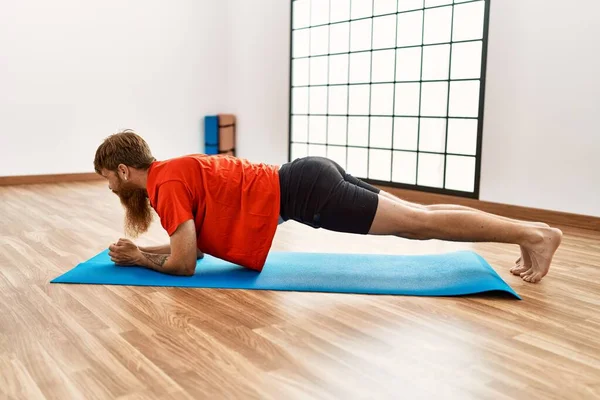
{"x": 162, "y": 249}
{"x": 165, "y": 249}
{"x": 163, "y": 263}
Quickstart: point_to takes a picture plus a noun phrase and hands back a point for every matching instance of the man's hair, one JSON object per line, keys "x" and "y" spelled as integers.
{"x": 125, "y": 147}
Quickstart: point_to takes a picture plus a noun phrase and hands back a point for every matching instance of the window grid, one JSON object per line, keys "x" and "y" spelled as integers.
{"x": 390, "y": 48}
{"x": 420, "y": 96}
{"x": 393, "y": 115}
{"x": 379, "y": 115}
{"x": 385, "y": 82}
{"x": 347, "y": 87}
{"x": 394, "y": 92}
{"x": 328, "y": 78}
{"x": 448, "y": 98}
{"x": 370, "y": 83}
{"x": 384, "y": 148}
{"x": 378, "y": 15}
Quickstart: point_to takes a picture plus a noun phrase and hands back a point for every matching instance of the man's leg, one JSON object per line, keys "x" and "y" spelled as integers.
{"x": 394, "y": 218}
{"x": 455, "y": 207}
{"x": 533, "y": 268}
{"x": 522, "y": 264}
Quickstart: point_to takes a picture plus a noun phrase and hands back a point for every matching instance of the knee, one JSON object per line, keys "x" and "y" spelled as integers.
{"x": 418, "y": 224}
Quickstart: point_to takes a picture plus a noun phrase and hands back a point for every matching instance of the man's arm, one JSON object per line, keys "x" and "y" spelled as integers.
{"x": 165, "y": 249}
{"x": 183, "y": 255}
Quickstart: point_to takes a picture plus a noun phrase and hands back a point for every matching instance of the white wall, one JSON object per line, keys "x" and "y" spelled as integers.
{"x": 73, "y": 72}
{"x": 541, "y": 139}
{"x": 258, "y": 77}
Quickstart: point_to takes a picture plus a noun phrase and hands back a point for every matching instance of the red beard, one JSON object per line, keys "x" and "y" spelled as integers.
{"x": 138, "y": 211}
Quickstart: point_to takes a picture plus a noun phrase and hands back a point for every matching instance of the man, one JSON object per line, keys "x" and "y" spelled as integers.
{"x": 230, "y": 208}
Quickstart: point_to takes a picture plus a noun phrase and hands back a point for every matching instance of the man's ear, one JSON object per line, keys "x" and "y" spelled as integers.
{"x": 123, "y": 171}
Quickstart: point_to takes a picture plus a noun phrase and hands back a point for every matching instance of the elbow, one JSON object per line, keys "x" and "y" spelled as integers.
{"x": 187, "y": 269}
{"x": 181, "y": 269}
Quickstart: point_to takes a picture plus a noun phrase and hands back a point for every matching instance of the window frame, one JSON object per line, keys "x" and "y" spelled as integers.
{"x": 480, "y": 118}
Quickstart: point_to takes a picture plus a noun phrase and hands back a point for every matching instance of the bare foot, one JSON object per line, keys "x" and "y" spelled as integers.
{"x": 519, "y": 263}
{"x": 541, "y": 251}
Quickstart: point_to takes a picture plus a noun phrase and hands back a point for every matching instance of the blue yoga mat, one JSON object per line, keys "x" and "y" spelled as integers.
{"x": 451, "y": 274}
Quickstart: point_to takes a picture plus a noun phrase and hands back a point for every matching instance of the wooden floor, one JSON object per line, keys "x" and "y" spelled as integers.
{"x": 107, "y": 342}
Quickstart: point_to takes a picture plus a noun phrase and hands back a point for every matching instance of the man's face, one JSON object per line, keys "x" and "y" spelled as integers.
{"x": 138, "y": 212}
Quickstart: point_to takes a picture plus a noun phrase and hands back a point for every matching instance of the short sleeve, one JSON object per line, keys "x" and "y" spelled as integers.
{"x": 173, "y": 205}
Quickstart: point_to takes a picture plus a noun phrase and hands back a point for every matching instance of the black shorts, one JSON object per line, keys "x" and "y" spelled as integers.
{"x": 317, "y": 192}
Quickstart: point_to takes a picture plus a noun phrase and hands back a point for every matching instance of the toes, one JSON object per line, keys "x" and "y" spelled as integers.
{"x": 516, "y": 270}
{"x": 526, "y": 273}
{"x": 519, "y": 270}
{"x": 532, "y": 278}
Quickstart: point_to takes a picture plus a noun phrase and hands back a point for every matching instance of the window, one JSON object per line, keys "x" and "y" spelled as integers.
{"x": 392, "y": 90}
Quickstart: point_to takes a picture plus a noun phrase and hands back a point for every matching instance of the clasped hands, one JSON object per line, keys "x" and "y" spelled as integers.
{"x": 125, "y": 252}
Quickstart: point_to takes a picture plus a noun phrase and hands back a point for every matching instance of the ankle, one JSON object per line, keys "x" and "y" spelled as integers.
{"x": 533, "y": 236}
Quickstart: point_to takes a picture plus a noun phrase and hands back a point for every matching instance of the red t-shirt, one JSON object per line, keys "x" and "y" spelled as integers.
{"x": 234, "y": 203}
